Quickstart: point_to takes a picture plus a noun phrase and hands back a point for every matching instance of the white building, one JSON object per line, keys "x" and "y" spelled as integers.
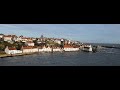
{"x": 44, "y": 49}
{"x": 8, "y": 38}
{"x": 56, "y": 49}
{"x": 9, "y": 50}
{"x": 33, "y": 38}
{"x": 1, "y": 35}
{"x": 15, "y": 38}
{"x": 70, "y": 48}
{"x": 29, "y": 49}
{"x": 29, "y": 43}
{"x": 25, "y": 39}
{"x": 57, "y": 41}
{"x": 69, "y": 42}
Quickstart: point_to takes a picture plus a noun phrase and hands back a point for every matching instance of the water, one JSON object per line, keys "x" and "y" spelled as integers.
{"x": 104, "y": 57}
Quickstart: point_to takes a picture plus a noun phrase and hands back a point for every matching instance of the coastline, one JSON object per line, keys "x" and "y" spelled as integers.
{"x": 22, "y": 54}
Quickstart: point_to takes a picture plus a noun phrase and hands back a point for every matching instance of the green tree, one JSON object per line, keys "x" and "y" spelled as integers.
{"x": 2, "y": 47}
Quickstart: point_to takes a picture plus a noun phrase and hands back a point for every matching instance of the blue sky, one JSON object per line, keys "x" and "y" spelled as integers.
{"x": 97, "y": 33}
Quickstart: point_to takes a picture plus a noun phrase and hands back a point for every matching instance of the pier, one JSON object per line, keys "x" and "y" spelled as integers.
{"x": 111, "y": 47}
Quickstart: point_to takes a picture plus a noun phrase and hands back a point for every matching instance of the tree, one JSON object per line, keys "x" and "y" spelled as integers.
{"x": 35, "y": 42}
{"x": 2, "y": 47}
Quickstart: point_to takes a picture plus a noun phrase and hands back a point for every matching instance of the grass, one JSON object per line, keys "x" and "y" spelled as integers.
{"x": 2, "y": 53}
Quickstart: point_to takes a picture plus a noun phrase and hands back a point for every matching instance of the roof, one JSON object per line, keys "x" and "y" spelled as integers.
{"x": 29, "y": 42}
{"x": 68, "y": 46}
{"x": 11, "y": 48}
{"x": 8, "y": 36}
{"x": 28, "y": 47}
{"x": 25, "y": 38}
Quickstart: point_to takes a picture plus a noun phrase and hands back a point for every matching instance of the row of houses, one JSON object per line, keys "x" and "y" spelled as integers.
{"x": 29, "y": 41}
{"x": 32, "y": 49}
{"x": 11, "y": 38}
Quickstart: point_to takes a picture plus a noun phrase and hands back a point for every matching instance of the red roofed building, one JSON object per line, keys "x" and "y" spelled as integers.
{"x": 29, "y": 49}
{"x": 70, "y": 48}
{"x": 12, "y": 50}
{"x": 25, "y": 39}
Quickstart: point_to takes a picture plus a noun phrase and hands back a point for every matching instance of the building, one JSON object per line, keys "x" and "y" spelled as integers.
{"x": 1, "y": 36}
{"x": 14, "y": 38}
{"x": 70, "y": 48}
{"x": 25, "y": 39}
{"x": 7, "y": 37}
{"x": 45, "y": 49}
{"x": 29, "y": 49}
{"x": 57, "y": 41}
{"x": 33, "y": 38}
{"x": 12, "y": 50}
{"x": 30, "y": 43}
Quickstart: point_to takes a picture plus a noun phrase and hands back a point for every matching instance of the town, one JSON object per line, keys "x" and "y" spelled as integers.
{"x": 11, "y": 45}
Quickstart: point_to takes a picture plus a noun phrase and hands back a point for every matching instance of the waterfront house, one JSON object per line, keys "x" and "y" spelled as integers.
{"x": 29, "y": 49}
{"x": 12, "y": 50}
{"x": 45, "y": 49}
{"x": 70, "y": 48}
{"x": 56, "y": 49}
{"x": 29, "y": 43}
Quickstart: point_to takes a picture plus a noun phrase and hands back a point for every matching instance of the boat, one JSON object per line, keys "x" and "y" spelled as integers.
{"x": 87, "y": 48}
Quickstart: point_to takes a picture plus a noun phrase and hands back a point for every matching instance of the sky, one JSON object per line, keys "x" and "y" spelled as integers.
{"x": 93, "y": 33}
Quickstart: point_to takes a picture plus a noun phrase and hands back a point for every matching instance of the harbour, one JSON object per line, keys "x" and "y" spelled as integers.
{"x": 64, "y": 47}
{"x": 103, "y": 57}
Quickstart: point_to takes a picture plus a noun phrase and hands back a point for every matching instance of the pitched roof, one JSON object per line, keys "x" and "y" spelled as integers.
{"x": 11, "y": 48}
{"x": 29, "y": 47}
{"x": 8, "y": 36}
{"x": 68, "y": 46}
{"x": 29, "y": 42}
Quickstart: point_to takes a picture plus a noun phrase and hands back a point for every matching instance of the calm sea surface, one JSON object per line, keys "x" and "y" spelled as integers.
{"x": 104, "y": 57}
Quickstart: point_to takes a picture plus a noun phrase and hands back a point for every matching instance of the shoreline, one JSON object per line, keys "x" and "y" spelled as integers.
{"x": 23, "y": 54}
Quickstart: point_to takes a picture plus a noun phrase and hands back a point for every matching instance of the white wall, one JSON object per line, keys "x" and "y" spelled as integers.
{"x": 45, "y": 49}
{"x": 7, "y": 39}
{"x": 57, "y": 49}
{"x": 30, "y": 44}
{"x": 30, "y": 50}
{"x": 71, "y": 49}
{"x": 7, "y": 51}
{"x": 57, "y": 41}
